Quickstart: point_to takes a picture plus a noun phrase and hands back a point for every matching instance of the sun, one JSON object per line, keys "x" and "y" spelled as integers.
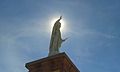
{"x": 62, "y": 21}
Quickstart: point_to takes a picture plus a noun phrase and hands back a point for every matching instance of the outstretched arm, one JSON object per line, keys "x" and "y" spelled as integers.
{"x": 64, "y": 39}
{"x": 59, "y": 18}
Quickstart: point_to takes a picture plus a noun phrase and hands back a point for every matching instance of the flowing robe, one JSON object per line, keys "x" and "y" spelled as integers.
{"x": 56, "y": 40}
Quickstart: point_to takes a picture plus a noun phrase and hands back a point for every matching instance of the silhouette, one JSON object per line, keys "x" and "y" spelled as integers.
{"x": 56, "y": 40}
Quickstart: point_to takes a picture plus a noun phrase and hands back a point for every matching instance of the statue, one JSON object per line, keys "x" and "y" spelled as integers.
{"x": 56, "y": 40}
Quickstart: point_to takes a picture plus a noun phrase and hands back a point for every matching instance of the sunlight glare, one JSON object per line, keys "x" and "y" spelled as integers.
{"x": 61, "y": 21}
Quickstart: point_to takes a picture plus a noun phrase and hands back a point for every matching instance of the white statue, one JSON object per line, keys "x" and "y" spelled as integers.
{"x": 56, "y": 40}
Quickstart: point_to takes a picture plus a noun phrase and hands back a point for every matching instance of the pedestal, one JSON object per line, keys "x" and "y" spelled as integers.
{"x": 57, "y": 63}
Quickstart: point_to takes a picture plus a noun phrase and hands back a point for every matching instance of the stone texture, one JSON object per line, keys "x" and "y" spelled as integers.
{"x": 56, "y": 63}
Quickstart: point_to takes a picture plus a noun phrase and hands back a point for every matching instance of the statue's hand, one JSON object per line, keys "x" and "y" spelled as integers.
{"x": 64, "y": 39}
{"x": 60, "y": 17}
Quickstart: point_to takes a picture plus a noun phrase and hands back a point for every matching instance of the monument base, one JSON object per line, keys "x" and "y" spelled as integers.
{"x": 56, "y": 63}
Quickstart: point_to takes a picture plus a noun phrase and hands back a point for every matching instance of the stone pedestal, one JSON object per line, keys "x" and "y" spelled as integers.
{"x": 57, "y": 63}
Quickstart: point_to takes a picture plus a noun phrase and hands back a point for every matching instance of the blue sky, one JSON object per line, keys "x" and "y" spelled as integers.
{"x": 93, "y": 31}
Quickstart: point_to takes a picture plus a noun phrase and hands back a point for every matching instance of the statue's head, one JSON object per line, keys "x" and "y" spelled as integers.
{"x": 58, "y": 25}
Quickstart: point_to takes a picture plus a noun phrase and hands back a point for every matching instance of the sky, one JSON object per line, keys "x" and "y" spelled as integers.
{"x": 92, "y": 28}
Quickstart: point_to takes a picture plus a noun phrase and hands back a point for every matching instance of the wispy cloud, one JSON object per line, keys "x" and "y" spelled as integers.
{"x": 13, "y": 50}
{"x": 88, "y": 32}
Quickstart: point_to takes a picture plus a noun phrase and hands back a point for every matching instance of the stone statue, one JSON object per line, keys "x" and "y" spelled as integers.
{"x": 56, "y": 40}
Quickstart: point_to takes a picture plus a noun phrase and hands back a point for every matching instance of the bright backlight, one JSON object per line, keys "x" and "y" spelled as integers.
{"x": 61, "y": 21}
